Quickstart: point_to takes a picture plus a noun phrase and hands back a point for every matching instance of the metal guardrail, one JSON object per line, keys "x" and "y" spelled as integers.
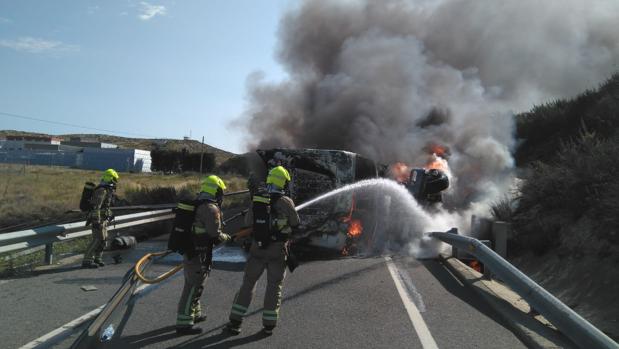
{"x": 51, "y": 234}
{"x": 579, "y": 330}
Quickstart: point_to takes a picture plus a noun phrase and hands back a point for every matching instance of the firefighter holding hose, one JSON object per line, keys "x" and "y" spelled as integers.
{"x": 205, "y": 233}
{"x": 271, "y": 218}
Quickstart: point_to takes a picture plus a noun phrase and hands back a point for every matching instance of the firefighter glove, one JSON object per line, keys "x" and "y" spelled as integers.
{"x": 223, "y": 237}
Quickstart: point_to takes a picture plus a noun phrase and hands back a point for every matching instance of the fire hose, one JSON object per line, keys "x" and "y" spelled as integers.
{"x": 138, "y": 268}
{"x": 146, "y": 258}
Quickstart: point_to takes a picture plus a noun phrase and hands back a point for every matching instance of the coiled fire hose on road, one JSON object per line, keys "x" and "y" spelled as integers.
{"x": 138, "y": 268}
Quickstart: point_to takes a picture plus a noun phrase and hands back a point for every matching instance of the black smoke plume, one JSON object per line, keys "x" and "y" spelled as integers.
{"x": 386, "y": 78}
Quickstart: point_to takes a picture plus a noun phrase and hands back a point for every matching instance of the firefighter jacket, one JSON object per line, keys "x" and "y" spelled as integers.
{"x": 208, "y": 220}
{"x": 101, "y": 202}
{"x": 206, "y": 230}
{"x": 285, "y": 218}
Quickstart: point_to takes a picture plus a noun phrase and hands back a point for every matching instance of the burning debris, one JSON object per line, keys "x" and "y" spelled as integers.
{"x": 426, "y": 183}
{"x": 355, "y": 229}
{"x": 352, "y": 221}
{"x": 331, "y": 225}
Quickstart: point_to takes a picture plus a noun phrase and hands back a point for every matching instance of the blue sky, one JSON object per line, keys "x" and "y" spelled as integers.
{"x": 153, "y": 68}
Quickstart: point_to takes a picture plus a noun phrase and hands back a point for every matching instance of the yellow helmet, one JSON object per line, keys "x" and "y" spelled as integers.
{"x": 110, "y": 176}
{"x": 212, "y": 184}
{"x": 278, "y": 176}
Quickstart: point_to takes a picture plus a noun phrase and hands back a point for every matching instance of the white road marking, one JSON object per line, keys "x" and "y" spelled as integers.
{"x": 64, "y": 330}
{"x": 427, "y": 341}
{"x": 415, "y": 296}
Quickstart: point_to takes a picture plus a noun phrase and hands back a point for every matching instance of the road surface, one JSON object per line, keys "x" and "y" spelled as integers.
{"x": 377, "y": 302}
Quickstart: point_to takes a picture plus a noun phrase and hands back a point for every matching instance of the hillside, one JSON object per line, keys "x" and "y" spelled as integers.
{"x": 546, "y": 127}
{"x": 566, "y": 224}
{"x": 191, "y": 146}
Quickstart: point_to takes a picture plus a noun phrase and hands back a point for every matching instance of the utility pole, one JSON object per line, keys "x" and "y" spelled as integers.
{"x": 202, "y": 155}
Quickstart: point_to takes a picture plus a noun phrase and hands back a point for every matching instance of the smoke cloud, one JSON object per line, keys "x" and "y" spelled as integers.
{"x": 387, "y": 78}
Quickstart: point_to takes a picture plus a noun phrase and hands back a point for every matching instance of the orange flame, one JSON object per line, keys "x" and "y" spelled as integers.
{"x": 400, "y": 172}
{"x": 438, "y": 150}
{"x": 355, "y": 228}
{"x": 436, "y": 162}
{"x": 475, "y": 265}
{"x": 438, "y": 157}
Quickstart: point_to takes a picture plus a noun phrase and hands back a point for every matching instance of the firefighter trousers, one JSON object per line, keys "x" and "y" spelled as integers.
{"x": 189, "y": 306}
{"x": 95, "y": 248}
{"x": 273, "y": 259}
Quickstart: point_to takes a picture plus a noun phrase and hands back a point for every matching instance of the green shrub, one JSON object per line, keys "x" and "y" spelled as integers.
{"x": 581, "y": 182}
{"x": 546, "y": 127}
{"x": 502, "y": 209}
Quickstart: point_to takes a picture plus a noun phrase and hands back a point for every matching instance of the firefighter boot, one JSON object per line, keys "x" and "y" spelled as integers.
{"x": 234, "y": 327}
{"x": 268, "y": 330}
{"x": 188, "y": 330}
{"x": 89, "y": 265}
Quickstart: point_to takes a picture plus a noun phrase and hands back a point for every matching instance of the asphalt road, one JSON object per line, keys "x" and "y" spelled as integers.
{"x": 342, "y": 303}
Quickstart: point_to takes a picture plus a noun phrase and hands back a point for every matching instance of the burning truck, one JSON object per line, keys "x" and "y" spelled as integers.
{"x": 348, "y": 223}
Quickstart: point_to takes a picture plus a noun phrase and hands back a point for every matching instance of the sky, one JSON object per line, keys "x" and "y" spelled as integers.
{"x": 155, "y": 69}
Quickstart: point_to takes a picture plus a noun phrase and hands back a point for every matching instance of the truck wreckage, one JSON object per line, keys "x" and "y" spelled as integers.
{"x": 350, "y": 223}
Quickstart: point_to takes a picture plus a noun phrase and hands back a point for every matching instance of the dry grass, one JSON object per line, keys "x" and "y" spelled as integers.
{"x": 40, "y": 193}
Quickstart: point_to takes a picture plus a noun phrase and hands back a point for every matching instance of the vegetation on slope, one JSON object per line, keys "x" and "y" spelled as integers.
{"x": 571, "y": 151}
{"x": 566, "y": 224}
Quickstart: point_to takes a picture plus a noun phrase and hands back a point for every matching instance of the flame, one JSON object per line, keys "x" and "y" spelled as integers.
{"x": 436, "y": 162}
{"x": 355, "y": 228}
{"x": 400, "y": 172}
{"x": 438, "y": 150}
{"x": 475, "y": 265}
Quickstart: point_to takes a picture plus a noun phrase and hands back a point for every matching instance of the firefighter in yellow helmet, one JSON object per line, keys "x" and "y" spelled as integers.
{"x": 206, "y": 232}
{"x": 272, "y": 216}
{"x": 99, "y": 216}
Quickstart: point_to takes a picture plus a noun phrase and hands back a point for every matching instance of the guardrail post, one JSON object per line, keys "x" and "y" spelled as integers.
{"x": 500, "y": 231}
{"x": 454, "y": 249}
{"x": 487, "y": 273}
{"x": 49, "y": 253}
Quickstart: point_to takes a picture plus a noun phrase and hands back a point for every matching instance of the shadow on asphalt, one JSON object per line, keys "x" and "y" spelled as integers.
{"x": 148, "y": 338}
{"x": 453, "y": 286}
{"x": 215, "y": 341}
{"x": 235, "y": 342}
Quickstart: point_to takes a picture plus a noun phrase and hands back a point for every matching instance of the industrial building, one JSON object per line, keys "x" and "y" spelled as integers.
{"x": 76, "y": 153}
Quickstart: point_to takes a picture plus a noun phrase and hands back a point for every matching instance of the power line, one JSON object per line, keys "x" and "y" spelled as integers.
{"x": 73, "y": 125}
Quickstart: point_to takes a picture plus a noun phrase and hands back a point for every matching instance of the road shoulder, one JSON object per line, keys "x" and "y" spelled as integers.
{"x": 533, "y": 331}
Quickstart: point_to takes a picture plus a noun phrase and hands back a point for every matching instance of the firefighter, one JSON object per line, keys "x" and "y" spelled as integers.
{"x": 99, "y": 216}
{"x": 272, "y": 216}
{"x": 206, "y": 231}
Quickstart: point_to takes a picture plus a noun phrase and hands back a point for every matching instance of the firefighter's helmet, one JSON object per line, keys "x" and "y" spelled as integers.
{"x": 212, "y": 184}
{"x": 110, "y": 176}
{"x": 278, "y": 176}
